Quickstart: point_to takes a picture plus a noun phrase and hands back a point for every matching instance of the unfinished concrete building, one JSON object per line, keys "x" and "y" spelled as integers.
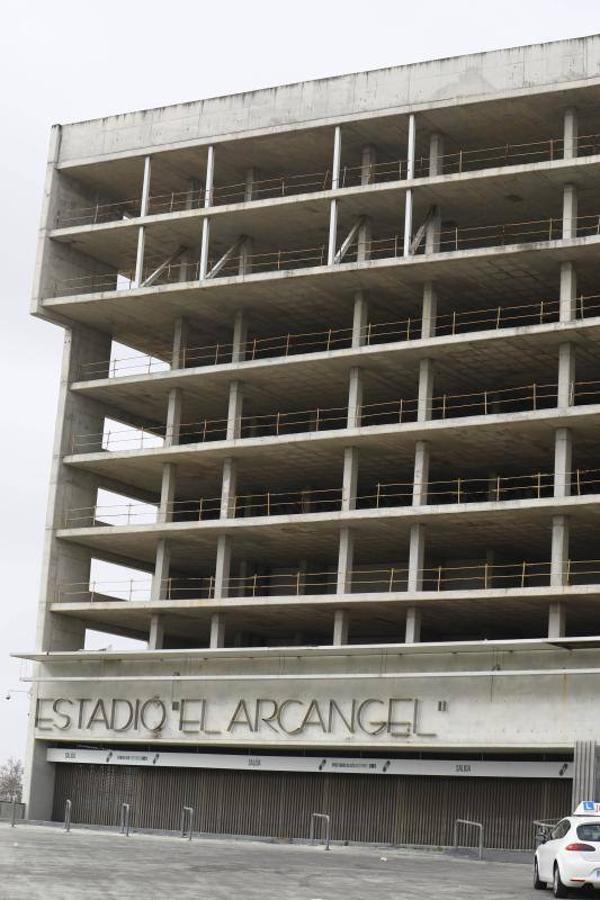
{"x": 330, "y": 409}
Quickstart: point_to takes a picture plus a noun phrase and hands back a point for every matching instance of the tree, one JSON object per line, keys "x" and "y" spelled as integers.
{"x": 11, "y": 780}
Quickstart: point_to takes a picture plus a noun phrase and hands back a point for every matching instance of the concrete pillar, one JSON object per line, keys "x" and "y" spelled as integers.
{"x": 559, "y": 563}
{"x": 174, "y": 409}
{"x": 421, "y": 473}
{"x": 156, "y": 637}
{"x": 413, "y": 625}
{"x": 569, "y": 219}
{"x": 240, "y": 337}
{"x": 566, "y": 375}
{"x": 160, "y": 579}
{"x": 429, "y": 311}
{"x": 363, "y": 240}
{"x": 426, "y": 380}
{"x": 250, "y": 189}
{"x": 557, "y": 620}
{"x": 350, "y": 478}
{"x": 245, "y": 259}
{"x": 355, "y": 398}
{"x": 180, "y": 343}
{"x": 570, "y": 128}
{"x": 368, "y": 160}
{"x": 234, "y": 411}
{"x": 586, "y": 772}
{"x": 568, "y": 292}
{"x": 340, "y": 627}
{"x": 167, "y": 493}
{"x": 228, "y": 488}
{"x": 208, "y": 200}
{"x": 410, "y": 174}
{"x": 345, "y": 561}
{"x": 416, "y": 557}
{"x": 335, "y": 183}
{"x": 433, "y": 231}
{"x": 360, "y": 320}
{"x": 217, "y": 631}
{"x": 144, "y": 200}
{"x": 436, "y": 154}
{"x": 563, "y": 462}
{"x": 222, "y": 566}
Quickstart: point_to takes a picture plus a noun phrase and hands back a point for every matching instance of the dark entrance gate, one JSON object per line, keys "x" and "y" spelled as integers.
{"x": 398, "y": 809}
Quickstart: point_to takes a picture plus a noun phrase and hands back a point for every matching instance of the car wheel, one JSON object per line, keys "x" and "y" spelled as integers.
{"x": 559, "y": 889}
{"x": 537, "y": 884}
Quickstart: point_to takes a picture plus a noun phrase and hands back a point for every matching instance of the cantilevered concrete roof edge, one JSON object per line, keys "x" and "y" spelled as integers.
{"x": 466, "y": 78}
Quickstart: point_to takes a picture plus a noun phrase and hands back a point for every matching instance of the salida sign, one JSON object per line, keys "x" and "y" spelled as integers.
{"x": 263, "y": 717}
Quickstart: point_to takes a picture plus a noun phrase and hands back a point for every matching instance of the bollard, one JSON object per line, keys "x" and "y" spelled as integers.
{"x": 68, "y": 805}
{"x": 125, "y": 814}
{"x": 13, "y": 812}
{"x": 185, "y": 812}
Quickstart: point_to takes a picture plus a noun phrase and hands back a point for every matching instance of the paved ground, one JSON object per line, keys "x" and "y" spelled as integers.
{"x": 43, "y": 863}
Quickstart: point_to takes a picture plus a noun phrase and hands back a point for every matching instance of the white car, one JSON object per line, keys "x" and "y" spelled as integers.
{"x": 569, "y": 856}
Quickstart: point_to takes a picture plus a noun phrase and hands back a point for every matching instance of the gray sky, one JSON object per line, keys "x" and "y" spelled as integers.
{"x": 67, "y": 60}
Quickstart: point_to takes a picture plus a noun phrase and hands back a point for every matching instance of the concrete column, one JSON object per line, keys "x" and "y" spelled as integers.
{"x": 193, "y": 189}
{"x": 368, "y": 160}
{"x": 363, "y": 240}
{"x": 410, "y": 173}
{"x": 432, "y": 234}
{"x": 180, "y": 343}
{"x": 436, "y": 154}
{"x": 222, "y": 566}
{"x": 228, "y": 488}
{"x": 416, "y": 557}
{"x": 345, "y": 561}
{"x": 217, "y": 631}
{"x": 250, "y": 190}
{"x": 568, "y": 292}
{"x": 160, "y": 579}
{"x": 340, "y": 627}
{"x": 429, "y": 311}
{"x": 174, "y": 409}
{"x": 586, "y": 772}
{"x": 167, "y": 492}
{"x": 566, "y": 375}
{"x": 245, "y": 259}
{"x": 350, "y": 478}
{"x": 413, "y": 625}
{"x": 421, "y": 473}
{"x": 569, "y": 220}
{"x": 560, "y": 551}
{"x": 234, "y": 411}
{"x": 570, "y": 128}
{"x": 156, "y": 637}
{"x": 355, "y": 398}
{"x": 144, "y": 200}
{"x": 360, "y": 320}
{"x": 335, "y": 183}
{"x": 557, "y": 619}
{"x": 563, "y": 462}
{"x": 208, "y": 200}
{"x": 426, "y": 380}
{"x": 240, "y": 337}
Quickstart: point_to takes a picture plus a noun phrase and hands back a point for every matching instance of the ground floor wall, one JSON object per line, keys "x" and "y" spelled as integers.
{"x": 395, "y": 809}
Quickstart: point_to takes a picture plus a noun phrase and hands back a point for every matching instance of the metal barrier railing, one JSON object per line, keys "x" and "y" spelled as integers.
{"x": 468, "y": 824}
{"x": 374, "y": 333}
{"x": 459, "y": 238}
{"x": 326, "y": 820}
{"x": 187, "y": 822}
{"x": 125, "y": 819}
{"x": 491, "y": 489}
{"x": 510, "y": 400}
{"x": 299, "y": 583}
{"x": 456, "y": 161}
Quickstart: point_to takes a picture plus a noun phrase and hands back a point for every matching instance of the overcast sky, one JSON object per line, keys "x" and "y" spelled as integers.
{"x": 66, "y": 60}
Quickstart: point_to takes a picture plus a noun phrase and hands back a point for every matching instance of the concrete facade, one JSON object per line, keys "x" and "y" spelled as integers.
{"x": 331, "y": 399}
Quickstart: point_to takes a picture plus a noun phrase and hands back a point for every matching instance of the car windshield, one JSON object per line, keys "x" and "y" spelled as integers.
{"x": 589, "y": 832}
